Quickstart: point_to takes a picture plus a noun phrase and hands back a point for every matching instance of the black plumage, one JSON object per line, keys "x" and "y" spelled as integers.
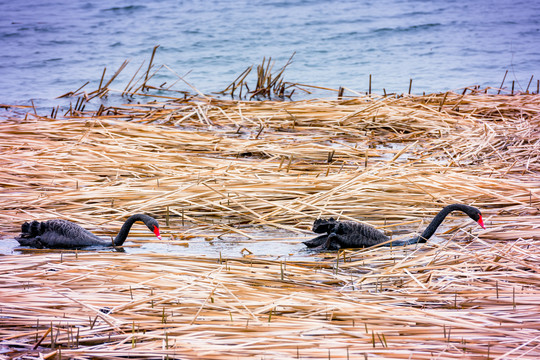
{"x": 348, "y": 234}
{"x": 63, "y": 234}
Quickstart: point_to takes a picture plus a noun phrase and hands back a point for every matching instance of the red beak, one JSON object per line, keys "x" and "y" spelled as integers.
{"x": 156, "y": 231}
{"x": 481, "y": 223}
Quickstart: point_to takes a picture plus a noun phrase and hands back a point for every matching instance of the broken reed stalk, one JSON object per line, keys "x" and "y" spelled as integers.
{"x": 101, "y": 81}
{"x": 502, "y": 83}
{"x": 127, "y": 88}
{"x": 237, "y": 83}
{"x": 529, "y": 84}
{"x": 266, "y": 84}
{"x": 150, "y": 64}
{"x": 102, "y": 91}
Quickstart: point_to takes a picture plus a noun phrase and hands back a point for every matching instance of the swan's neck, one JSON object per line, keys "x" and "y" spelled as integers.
{"x": 437, "y": 220}
{"x": 124, "y": 230}
{"x": 434, "y": 224}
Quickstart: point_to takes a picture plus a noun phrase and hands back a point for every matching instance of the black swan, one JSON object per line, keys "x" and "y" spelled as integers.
{"x": 348, "y": 234}
{"x": 63, "y": 234}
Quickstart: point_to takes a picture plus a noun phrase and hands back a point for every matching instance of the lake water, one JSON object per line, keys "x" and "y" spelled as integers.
{"x": 50, "y": 47}
{"x": 267, "y": 243}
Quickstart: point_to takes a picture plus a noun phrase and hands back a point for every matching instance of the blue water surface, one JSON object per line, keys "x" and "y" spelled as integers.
{"x": 50, "y": 47}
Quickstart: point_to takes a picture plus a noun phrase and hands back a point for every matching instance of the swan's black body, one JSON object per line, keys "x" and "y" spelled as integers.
{"x": 63, "y": 234}
{"x": 347, "y": 234}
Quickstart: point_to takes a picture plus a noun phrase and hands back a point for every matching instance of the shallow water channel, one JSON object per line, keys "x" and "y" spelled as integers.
{"x": 271, "y": 244}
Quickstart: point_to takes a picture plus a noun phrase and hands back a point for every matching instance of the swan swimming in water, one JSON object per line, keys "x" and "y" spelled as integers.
{"x": 348, "y": 234}
{"x": 63, "y": 234}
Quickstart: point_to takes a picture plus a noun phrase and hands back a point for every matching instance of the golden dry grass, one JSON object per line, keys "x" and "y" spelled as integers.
{"x": 233, "y": 166}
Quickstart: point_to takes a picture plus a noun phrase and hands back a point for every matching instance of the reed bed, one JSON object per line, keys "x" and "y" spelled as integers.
{"x": 447, "y": 301}
{"x": 237, "y": 167}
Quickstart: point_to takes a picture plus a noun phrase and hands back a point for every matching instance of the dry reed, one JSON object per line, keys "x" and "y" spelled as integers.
{"x": 231, "y": 166}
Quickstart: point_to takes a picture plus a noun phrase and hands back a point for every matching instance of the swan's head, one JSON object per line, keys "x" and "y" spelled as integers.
{"x": 321, "y": 226}
{"x": 476, "y": 215}
{"x": 154, "y": 227}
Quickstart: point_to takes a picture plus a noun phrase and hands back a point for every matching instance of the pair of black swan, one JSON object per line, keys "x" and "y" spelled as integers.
{"x": 63, "y": 234}
{"x": 347, "y": 234}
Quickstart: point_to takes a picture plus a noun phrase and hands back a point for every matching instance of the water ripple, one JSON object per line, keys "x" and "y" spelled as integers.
{"x": 50, "y": 47}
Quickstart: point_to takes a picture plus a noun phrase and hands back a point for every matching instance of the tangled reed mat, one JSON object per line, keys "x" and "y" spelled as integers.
{"x": 237, "y": 168}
